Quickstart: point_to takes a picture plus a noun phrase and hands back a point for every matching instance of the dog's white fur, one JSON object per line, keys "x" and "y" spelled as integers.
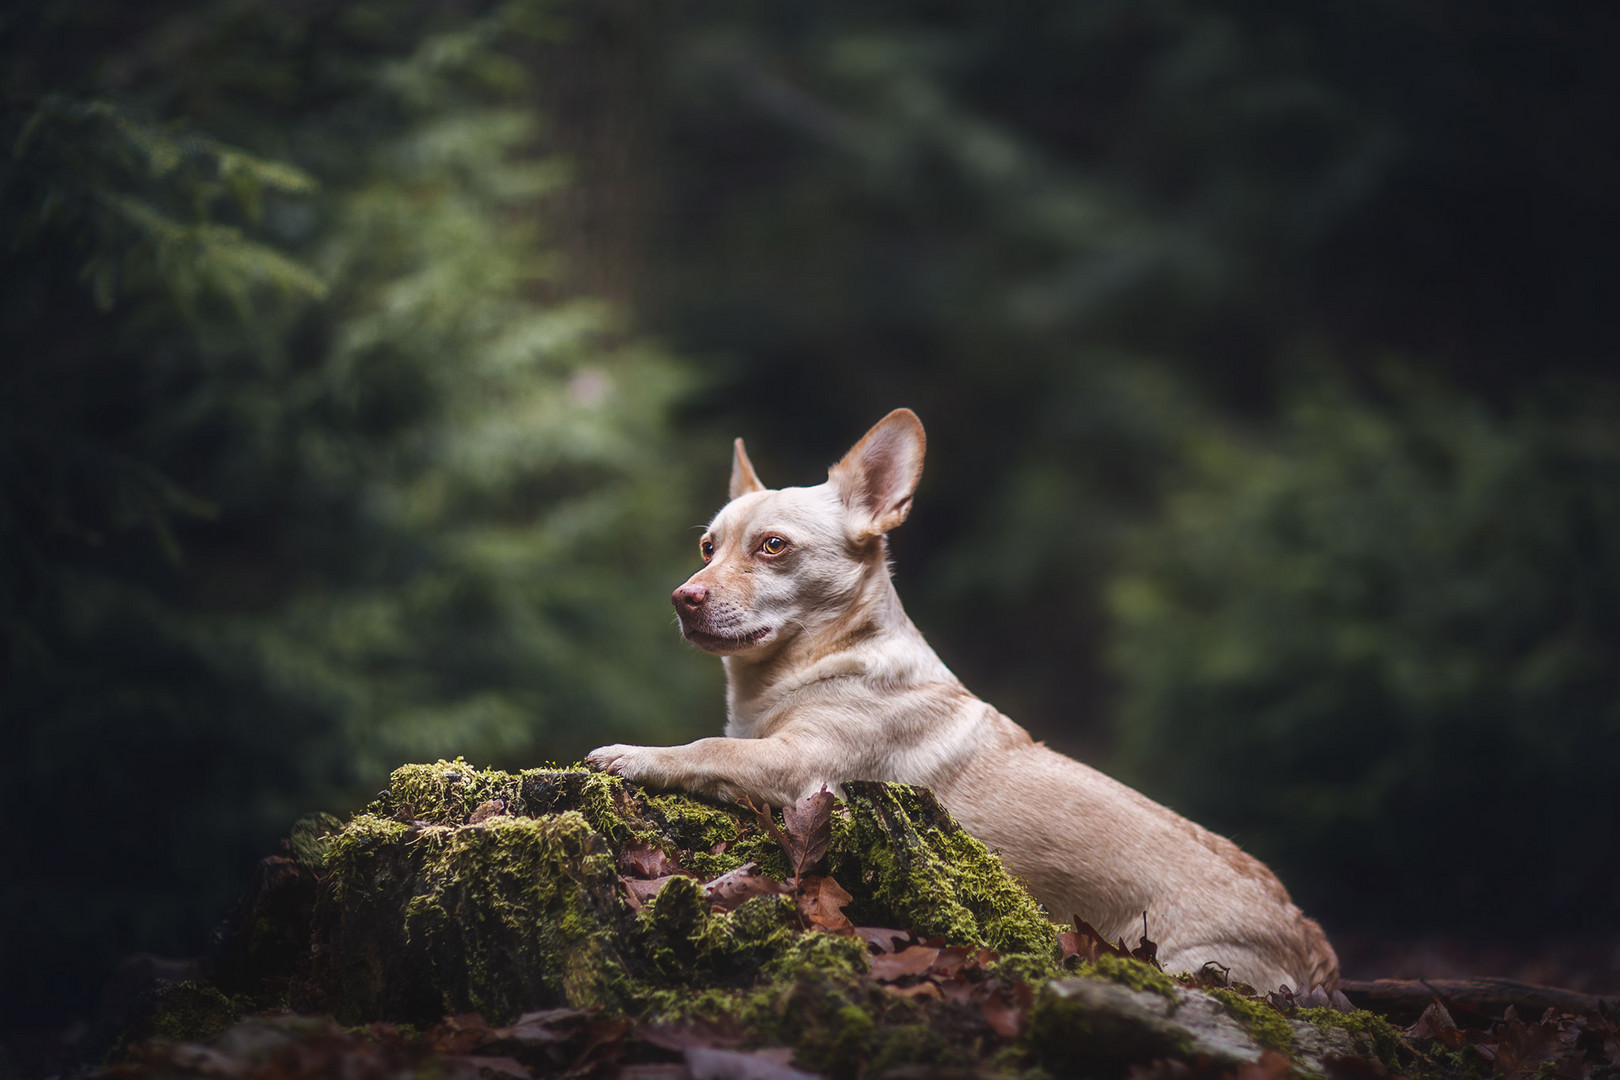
{"x": 828, "y": 680}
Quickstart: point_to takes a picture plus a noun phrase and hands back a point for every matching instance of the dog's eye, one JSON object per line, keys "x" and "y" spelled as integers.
{"x": 773, "y": 545}
{"x": 707, "y": 548}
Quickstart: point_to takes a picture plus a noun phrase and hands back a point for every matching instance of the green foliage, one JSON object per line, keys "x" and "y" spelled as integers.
{"x": 311, "y": 460}
{"x": 1384, "y": 638}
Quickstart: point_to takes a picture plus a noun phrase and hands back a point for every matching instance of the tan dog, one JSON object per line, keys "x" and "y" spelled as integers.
{"x": 827, "y": 680}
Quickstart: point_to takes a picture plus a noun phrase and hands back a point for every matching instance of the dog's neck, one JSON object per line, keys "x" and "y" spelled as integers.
{"x": 871, "y": 636}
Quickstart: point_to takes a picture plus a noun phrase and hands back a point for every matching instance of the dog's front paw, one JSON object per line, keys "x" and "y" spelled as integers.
{"x": 618, "y": 760}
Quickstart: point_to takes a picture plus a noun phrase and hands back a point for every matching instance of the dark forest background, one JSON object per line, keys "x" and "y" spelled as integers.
{"x": 364, "y": 367}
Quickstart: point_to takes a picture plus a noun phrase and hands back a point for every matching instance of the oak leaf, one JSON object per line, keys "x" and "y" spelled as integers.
{"x": 821, "y": 902}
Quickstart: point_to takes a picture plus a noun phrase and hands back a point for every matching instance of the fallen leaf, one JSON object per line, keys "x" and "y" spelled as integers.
{"x": 953, "y": 960}
{"x": 821, "y": 902}
{"x": 807, "y": 828}
{"x": 486, "y": 810}
{"x": 542, "y": 1026}
{"x": 1146, "y": 951}
{"x": 914, "y": 960}
{"x": 1521, "y": 1047}
{"x": 1006, "y": 1007}
{"x": 459, "y": 1034}
{"x": 1605, "y": 1032}
{"x": 647, "y": 861}
{"x": 956, "y": 988}
{"x": 1086, "y": 943}
{"x": 729, "y": 891}
{"x": 727, "y": 1031}
{"x": 767, "y": 823}
{"x": 1436, "y": 1023}
{"x": 1211, "y": 975}
{"x": 1271, "y": 1066}
{"x": 641, "y": 891}
{"x": 881, "y": 939}
{"x": 603, "y": 1036}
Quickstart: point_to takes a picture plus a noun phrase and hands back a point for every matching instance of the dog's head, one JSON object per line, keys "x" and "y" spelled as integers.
{"x": 784, "y": 563}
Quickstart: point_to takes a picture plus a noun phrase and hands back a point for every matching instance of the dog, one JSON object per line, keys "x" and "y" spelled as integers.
{"x": 828, "y": 680}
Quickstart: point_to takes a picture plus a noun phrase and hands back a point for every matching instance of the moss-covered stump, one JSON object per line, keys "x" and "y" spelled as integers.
{"x": 558, "y": 921}
{"x": 462, "y": 890}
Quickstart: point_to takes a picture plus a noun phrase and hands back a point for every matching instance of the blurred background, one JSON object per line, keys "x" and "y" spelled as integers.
{"x": 365, "y": 368}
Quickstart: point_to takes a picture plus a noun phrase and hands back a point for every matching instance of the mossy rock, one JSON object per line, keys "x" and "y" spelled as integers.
{"x": 1097, "y": 1026}
{"x": 461, "y": 890}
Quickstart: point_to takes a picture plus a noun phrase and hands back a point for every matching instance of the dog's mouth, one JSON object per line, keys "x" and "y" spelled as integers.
{"x": 723, "y": 643}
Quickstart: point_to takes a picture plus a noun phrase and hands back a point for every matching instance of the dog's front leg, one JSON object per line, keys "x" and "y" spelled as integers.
{"x": 777, "y": 770}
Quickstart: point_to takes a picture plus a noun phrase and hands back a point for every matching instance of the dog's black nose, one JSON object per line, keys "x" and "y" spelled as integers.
{"x": 689, "y": 597}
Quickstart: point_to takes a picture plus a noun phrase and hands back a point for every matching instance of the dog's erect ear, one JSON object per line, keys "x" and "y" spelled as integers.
{"x": 743, "y": 479}
{"x": 878, "y": 475}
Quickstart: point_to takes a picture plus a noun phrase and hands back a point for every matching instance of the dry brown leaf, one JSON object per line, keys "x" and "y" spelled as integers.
{"x": 641, "y": 891}
{"x": 1086, "y": 943}
{"x": 730, "y": 890}
{"x": 952, "y": 961}
{"x": 1521, "y": 1047}
{"x": 914, "y": 960}
{"x": 1436, "y": 1023}
{"x": 821, "y": 902}
{"x": 486, "y": 810}
{"x": 882, "y": 939}
{"x": 644, "y": 860}
{"x": 1006, "y": 1007}
{"x": 1271, "y": 1066}
{"x": 542, "y": 1026}
{"x": 807, "y": 828}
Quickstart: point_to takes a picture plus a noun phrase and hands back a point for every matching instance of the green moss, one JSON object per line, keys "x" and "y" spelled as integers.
{"x": 604, "y": 801}
{"x": 1374, "y": 1035}
{"x": 1135, "y": 974}
{"x": 444, "y": 793}
{"x": 810, "y": 994}
{"x": 311, "y": 836}
{"x": 911, "y": 860}
{"x": 698, "y": 828}
{"x": 353, "y": 855}
{"x": 917, "y": 1045}
{"x": 505, "y": 915}
{"x": 1264, "y": 1024}
{"x": 829, "y": 955}
{"x": 830, "y": 1025}
{"x": 1032, "y": 968}
{"x": 1075, "y": 1029}
{"x": 188, "y": 1012}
